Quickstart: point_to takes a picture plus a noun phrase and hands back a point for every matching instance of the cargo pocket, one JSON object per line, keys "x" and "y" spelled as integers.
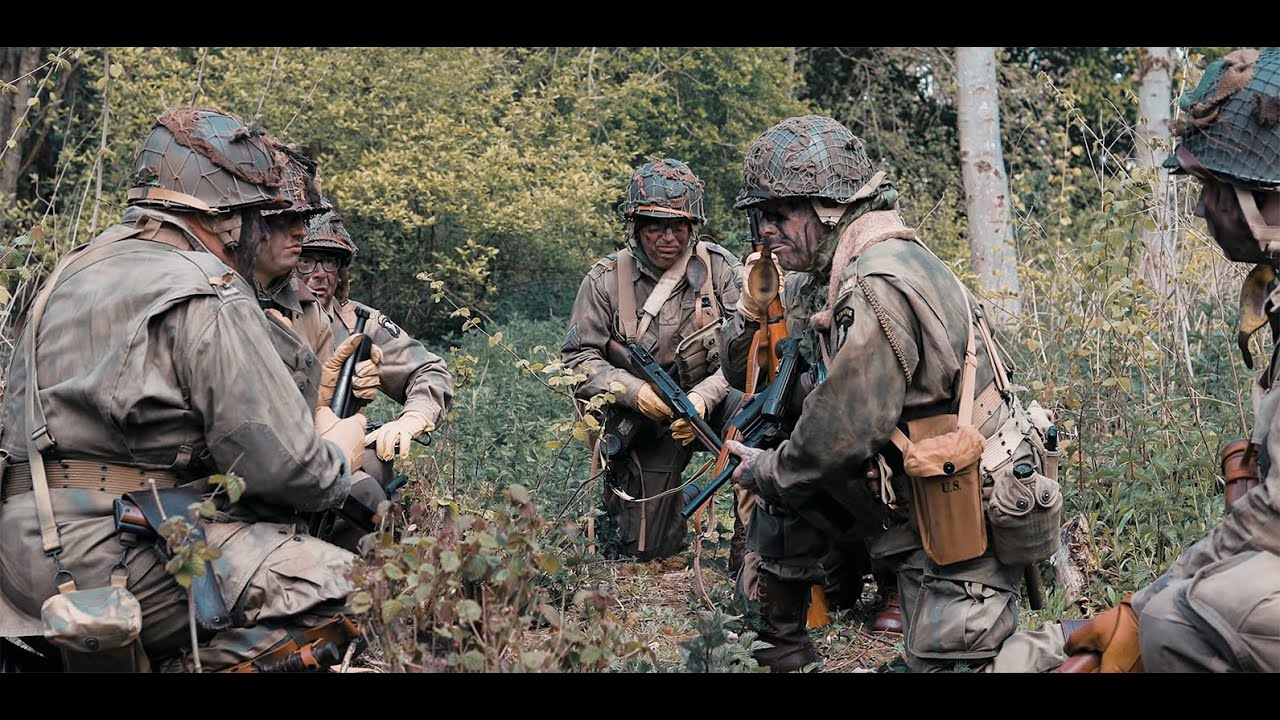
{"x": 958, "y": 617}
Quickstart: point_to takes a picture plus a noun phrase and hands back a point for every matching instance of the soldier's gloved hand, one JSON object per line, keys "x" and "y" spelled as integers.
{"x": 346, "y": 433}
{"x": 652, "y": 406}
{"x": 329, "y": 371}
{"x": 398, "y": 433}
{"x": 368, "y": 376}
{"x": 272, "y": 312}
{"x": 682, "y": 429}
{"x": 760, "y": 284}
{"x": 1113, "y": 634}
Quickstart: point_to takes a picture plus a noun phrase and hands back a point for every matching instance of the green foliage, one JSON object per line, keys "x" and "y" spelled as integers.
{"x": 464, "y": 591}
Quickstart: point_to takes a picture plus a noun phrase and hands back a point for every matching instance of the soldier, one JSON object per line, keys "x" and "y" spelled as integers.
{"x": 667, "y": 291}
{"x": 899, "y": 360}
{"x": 408, "y": 372}
{"x": 172, "y": 377}
{"x": 300, "y": 328}
{"x": 1217, "y": 607}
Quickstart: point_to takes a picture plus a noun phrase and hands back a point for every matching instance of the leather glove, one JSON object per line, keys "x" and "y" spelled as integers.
{"x": 761, "y": 282}
{"x": 682, "y": 429}
{"x": 346, "y": 433}
{"x": 329, "y": 371}
{"x": 652, "y": 406}
{"x": 368, "y": 376}
{"x": 1113, "y": 634}
{"x": 280, "y": 316}
{"x": 398, "y": 433}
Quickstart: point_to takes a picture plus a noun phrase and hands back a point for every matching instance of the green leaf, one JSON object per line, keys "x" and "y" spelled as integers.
{"x": 391, "y": 609}
{"x": 519, "y": 494}
{"x": 392, "y": 571}
{"x": 449, "y": 561}
{"x": 361, "y": 602}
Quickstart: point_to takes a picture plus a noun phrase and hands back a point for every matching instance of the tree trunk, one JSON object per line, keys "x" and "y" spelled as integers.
{"x": 986, "y": 186}
{"x": 1150, "y": 148}
{"x": 24, "y": 61}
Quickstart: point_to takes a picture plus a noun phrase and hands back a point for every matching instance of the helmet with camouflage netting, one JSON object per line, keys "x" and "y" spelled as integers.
{"x": 301, "y": 185}
{"x": 664, "y": 188}
{"x": 327, "y": 233}
{"x": 806, "y": 156}
{"x": 1230, "y": 123}
{"x": 207, "y": 160}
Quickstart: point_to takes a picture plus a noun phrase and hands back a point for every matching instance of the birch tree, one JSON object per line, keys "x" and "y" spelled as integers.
{"x": 1150, "y": 148}
{"x": 986, "y": 186}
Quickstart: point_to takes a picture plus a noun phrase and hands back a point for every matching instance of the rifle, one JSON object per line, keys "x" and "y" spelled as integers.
{"x": 642, "y": 363}
{"x": 759, "y": 422}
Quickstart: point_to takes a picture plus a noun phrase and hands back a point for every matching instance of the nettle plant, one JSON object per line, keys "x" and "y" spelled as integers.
{"x": 446, "y": 589}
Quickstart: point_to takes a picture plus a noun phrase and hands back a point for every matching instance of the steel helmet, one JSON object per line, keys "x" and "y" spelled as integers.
{"x": 805, "y": 156}
{"x": 208, "y": 160}
{"x": 664, "y": 188}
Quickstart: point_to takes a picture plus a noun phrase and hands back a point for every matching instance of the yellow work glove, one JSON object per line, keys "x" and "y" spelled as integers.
{"x": 398, "y": 433}
{"x": 329, "y": 371}
{"x": 368, "y": 376}
{"x": 346, "y": 433}
{"x": 652, "y": 406}
{"x": 682, "y": 429}
{"x": 1113, "y": 634}
{"x": 761, "y": 281}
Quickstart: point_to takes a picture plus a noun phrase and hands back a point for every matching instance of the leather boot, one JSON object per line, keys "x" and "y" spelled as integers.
{"x": 737, "y": 546}
{"x": 783, "y": 608}
{"x": 889, "y": 619}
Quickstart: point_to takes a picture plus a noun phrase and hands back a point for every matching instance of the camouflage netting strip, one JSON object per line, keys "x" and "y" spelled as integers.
{"x": 796, "y": 158}
{"x": 1233, "y": 113}
{"x": 182, "y": 123}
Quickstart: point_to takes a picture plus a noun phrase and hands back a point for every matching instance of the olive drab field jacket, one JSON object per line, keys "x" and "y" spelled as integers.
{"x": 595, "y": 320}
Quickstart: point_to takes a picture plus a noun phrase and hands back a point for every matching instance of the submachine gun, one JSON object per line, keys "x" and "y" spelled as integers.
{"x": 760, "y": 422}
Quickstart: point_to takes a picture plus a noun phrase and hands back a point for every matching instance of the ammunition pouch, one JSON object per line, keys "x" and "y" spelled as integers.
{"x": 946, "y": 487}
{"x": 96, "y": 630}
{"x": 776, "y": 534}
{"x": 698, "y": 356}
{"x": 1025, "y": 513}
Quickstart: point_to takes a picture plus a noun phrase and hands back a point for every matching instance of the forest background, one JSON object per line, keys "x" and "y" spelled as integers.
{"x": 480, "y": 184}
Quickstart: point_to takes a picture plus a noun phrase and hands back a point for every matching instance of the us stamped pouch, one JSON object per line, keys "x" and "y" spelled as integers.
{"x": 946, "y": 486}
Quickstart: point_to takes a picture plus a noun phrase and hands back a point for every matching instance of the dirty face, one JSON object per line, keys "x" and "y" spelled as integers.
{"x": 791, "y": 229}
{"x": 663, "y": 239}
{"x": 281, "y": 247}
{"x": 320, "y": 272}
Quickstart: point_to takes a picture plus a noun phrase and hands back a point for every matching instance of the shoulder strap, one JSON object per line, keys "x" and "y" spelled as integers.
{"x": 708, "y": 310}
{"x": 666, "y": 285}
{"x": 626, "y": 294}
{"x": 38, "y": 437}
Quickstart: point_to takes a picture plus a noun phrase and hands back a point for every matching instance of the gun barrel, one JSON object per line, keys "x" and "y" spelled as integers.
{"x": 710, "y": 490}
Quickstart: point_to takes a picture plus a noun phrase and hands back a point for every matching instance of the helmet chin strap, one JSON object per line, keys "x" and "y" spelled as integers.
{"x": 1267, "y": 235}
